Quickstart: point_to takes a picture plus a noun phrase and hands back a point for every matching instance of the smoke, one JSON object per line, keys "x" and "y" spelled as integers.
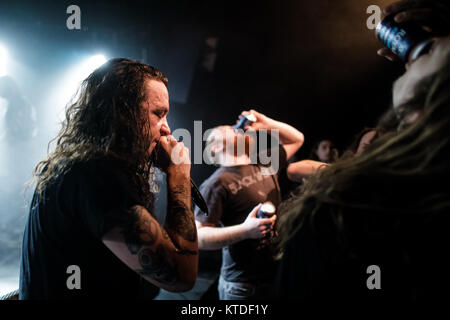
{"x": 21, "y": 147}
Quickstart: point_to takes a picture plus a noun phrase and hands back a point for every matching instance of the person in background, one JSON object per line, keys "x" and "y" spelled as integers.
{"x": 324, "y": 151}
{"x": 322, "y": 154}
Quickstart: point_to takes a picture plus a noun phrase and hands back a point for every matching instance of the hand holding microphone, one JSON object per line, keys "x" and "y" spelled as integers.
{"x": 172, "y": 157}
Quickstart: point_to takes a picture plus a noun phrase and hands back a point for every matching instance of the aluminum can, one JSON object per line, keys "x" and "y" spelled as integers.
{"x": 266, "y": 210}
{"x": 407, "y": 40}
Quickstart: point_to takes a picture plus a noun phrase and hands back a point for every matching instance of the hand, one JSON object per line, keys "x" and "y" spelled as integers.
{"x": 434, "y": 14}
{"x": 172, "y": 156}
{"x": 262, "y": 121}
{"x": 256, "y": 228}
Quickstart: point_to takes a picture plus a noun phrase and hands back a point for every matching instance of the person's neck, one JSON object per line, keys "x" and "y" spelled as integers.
{"x": 231, "y": 161}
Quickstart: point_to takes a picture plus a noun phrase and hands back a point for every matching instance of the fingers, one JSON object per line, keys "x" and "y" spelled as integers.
{"x": 388, "y": 54}
{"x": 251, "y": 111}
{"x": 404, "y": 5}
{"x": 269, "y": 221}
{"x": 416, "y": 15}
{"x": 172, "y": 152}
{"x": 168, "y": 143}
{"x": 180, "y": 154}
{"x": 170, "y": 139}
{"x": 255, "y": 210}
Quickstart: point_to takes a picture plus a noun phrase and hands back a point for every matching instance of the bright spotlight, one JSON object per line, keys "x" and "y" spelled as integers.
{"x": 68, "y": 84}
{"x": 3, "y": 61}
{"x": 90, "y": 65}
{"x": 78, "y": 74}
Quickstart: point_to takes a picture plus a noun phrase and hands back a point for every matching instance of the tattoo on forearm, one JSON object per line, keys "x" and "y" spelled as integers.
{"x": 139, "y": 236}
{"x": 155, "y": 265}
{"x": 141, "y": 232}
{"x": 180, "y": 219}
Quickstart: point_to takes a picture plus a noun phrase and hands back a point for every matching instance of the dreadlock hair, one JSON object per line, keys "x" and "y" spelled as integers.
{"x": 401, "y": 173}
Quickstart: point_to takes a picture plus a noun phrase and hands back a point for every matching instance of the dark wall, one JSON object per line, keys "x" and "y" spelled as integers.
{"x": 312, "y": 64}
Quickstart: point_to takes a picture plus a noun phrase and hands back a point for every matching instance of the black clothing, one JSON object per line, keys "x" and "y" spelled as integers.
{"x": 325, "y": 261}
{"x": 65, "y": 227}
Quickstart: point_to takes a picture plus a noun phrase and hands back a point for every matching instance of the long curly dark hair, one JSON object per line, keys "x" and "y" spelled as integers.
{"x": 105, "y": 118}
{"x": 399, "y": 173}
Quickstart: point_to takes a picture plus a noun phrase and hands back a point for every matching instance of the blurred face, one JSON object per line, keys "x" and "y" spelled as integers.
{"x": 157, "y": 104}
{"x": 365, "y": 141}
{"x": 231, "y": 143}
{"x": 427, "y": 64}
{"x": 229, "y": 137}
{"x": 323, "y": 151}
{"x": 235, "y": 143}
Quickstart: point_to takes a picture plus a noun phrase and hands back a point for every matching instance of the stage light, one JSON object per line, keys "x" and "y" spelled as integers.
{"x": 77, "y": 74}
{"x": 90, "y": 65}
{"x": 65, "y": 92}
{"x": 3, "y": 61}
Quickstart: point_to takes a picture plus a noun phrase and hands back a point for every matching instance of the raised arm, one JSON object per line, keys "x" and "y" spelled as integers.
{"x": 291, "y": 138}
{"x": 296, "y": 171}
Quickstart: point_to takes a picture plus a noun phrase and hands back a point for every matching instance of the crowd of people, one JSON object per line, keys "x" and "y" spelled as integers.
{"x": 382, "y": 202}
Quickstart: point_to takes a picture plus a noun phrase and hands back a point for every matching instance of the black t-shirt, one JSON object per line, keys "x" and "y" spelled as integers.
{"x": 65, "y": 227}
{"x": 231, "y": 193}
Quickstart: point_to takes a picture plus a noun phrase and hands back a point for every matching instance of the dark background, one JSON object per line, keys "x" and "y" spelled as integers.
{"x": 312, "y": 64}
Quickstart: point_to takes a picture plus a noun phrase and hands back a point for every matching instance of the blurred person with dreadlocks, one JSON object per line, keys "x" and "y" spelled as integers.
{"x": 386, "y": 209}
{"x": 91, "y": 231}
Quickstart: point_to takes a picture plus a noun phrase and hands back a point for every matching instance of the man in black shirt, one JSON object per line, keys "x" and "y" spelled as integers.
{"x": 91, "y": 232}
{"x": 233, "y": 194}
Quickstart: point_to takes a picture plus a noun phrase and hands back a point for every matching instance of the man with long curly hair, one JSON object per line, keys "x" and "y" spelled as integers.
{"x": 91, "y": 231}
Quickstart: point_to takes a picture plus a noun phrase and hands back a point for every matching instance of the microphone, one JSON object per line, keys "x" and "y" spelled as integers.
{"x": 198, "y": 198}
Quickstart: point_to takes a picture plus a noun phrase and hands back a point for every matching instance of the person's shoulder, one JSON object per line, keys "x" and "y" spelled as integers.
{"x": 225, "y": 174}
{"x": 93, "y": 168}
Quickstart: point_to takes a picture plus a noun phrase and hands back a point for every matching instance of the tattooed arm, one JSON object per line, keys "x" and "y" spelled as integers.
{"x": 169, "y": 262}
{"x": 167, "y": 257}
